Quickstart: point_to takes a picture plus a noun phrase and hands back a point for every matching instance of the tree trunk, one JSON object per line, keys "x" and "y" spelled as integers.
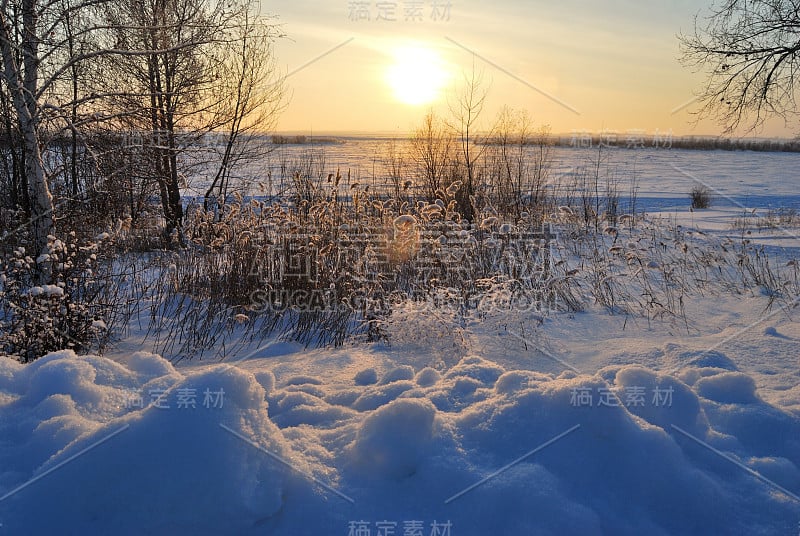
{"x": 22, "y": 82}
{"x": 41, "y": 202}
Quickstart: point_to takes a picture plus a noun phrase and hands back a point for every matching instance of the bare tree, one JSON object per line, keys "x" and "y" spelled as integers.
{"x": 510, "y": 130}
{"x": 250, "y": 95}
{"x": 197, "y": 67}
{"x": 541, "y": 168}
{"x": 431, "y": 149}
{"x": 520, "y": 159}
{"x": 395, "y": 162}
{"x": 175, "y": 68}
{"x": 14, "y": 182}
{"x": 465, "y": 110}
{"x": 161, "y": 88}
{"x": 749, "y": 51}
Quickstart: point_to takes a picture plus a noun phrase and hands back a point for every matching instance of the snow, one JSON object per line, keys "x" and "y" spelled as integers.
{"x": 393, "y": 441}
{"x": 728, "y": 387}
{"x": 366, "y": 377}
{"x": 427, "y": 377}
{"x": 35, "y": 291}
{"x": 169, "y": 468}
{"x": 52, "y": 290}
{"x": 590, "y": 422}
{"x": 404, "y": 372}
{"x": 289, "y": 451}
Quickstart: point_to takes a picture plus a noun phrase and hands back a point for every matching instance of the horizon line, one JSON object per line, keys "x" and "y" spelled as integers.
{"x": 594, "y": 135}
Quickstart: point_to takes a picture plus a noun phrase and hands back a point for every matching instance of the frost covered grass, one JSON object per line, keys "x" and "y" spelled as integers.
{"x": 336, "y": 270}
{"x": 325, "y": 267}
{"x": 784, "y": 218}
{"x": 334, "y": 257}
{"x": 654, "y": 269}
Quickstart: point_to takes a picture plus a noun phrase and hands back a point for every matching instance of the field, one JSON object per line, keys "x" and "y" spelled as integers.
{"x": 339, "y": 352}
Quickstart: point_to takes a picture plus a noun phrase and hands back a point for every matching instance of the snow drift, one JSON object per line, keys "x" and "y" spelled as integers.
{"x": 134, "y": 446}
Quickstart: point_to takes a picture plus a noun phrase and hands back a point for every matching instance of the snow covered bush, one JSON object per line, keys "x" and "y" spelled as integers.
{"x": 55, "y": 301}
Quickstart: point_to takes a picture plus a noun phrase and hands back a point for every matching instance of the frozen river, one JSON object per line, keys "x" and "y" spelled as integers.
{"x": 663, "y": 176}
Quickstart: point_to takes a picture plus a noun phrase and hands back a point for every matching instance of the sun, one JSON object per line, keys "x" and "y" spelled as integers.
{"x": 417, "y": 75}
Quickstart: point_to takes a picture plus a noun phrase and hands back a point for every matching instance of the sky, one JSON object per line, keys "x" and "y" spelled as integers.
{"x": 576, "y": 66}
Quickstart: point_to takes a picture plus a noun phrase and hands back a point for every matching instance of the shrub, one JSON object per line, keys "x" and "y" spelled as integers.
{"x": 701, "y": 197}
{"x": 67, "y": 311}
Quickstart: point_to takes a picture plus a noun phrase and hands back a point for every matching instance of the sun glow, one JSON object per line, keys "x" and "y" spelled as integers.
{"x": 417, "y": 75}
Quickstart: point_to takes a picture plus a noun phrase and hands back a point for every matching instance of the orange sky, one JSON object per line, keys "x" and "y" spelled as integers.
{"x": 576, "y": 66}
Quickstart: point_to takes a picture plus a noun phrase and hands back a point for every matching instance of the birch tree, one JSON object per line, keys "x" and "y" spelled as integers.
{"x": 251, "y": 95}
{"x": 20, "y": 49}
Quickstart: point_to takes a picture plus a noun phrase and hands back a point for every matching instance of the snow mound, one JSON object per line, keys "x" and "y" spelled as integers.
{"x": 380, "y": 395}
{"x": 728, "y": 387}
{"x": 177, "y": 467}
{"x": 291, "y": 408}
{"x": 303, "y": 380}
{"x": 366, "y": 377}
{"x": 604, "y": 465}
{"x": 393, "y": 441}
{"x": 477, "y": 368}
{"x": 694, "y": 359}
{"x": 682, "y": 409}
{"x": 267, "y": 380}
{"x": 427, "y": 377}
{"x": 403, "y": 372}
{"x": 139, "y": 447}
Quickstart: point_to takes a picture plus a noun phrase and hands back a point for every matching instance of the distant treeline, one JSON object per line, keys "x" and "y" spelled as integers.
{"x": 736, "y": 144}
{"x": 622, "y": 141}
{"x": 107, "y": 138}
{"x": 100, "y": 139}
{"x": 667, "y": 141}
{"x": 301, "y": 140}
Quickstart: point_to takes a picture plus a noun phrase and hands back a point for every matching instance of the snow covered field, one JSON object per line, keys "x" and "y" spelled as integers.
{"x": 488, "y": 435}
{"x": 504, "y": 422}
{"x": 664, "y": 176}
